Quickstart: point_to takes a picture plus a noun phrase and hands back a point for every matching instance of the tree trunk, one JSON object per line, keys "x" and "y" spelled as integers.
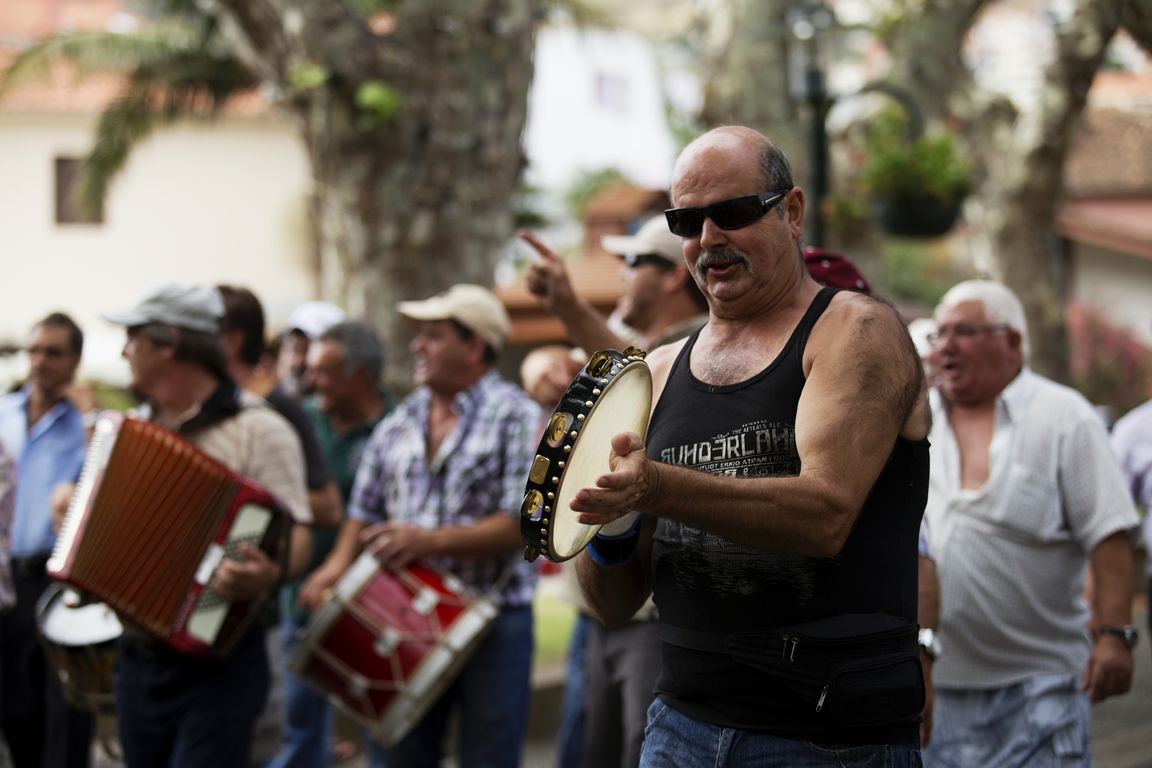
{"x": 746, "y": 81}
{"x": 1017, "y": 158}
{"x": 1017, "y": 203}
{"x": 410, "y": 201}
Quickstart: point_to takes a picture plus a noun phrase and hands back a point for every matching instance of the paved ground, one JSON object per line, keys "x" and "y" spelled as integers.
{"x": 1121, "y": 727}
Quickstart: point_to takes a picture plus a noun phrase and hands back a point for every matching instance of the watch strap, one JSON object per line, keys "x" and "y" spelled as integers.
{"x": 1126, "y": 633}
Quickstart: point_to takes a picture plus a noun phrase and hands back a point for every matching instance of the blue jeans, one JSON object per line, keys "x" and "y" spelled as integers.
{"x": 307, "y": 714}
{"x": 570, "y": 738}
{"x": 185, "y": 712}
{"x": 1042, "y": 721}
{"x": 674, "y": 739}
{"x": 491, "y": 694}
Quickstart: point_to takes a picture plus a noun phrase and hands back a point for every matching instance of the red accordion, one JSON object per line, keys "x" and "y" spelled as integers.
{"x": 151, "y": 519}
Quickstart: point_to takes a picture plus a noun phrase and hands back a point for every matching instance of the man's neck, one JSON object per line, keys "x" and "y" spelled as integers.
{"x": 361, "y": 411}
{"x": 41, "y": 401}
{"x": 182, "y": 391}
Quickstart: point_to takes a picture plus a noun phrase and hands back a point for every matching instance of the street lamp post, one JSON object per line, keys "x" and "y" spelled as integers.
{"x": 807, "y": 78}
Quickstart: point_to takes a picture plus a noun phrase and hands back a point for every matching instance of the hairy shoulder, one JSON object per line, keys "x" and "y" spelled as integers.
{"x": 862, "y": 343}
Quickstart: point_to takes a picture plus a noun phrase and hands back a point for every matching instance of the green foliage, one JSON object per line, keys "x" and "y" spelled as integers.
{"x": 554, "y": 621}
{"x": 899, "y": 169}
{"x": 378, "y": 101}
{"x": 369, "y": 7}
{"x": 587, "y": 184}
{"x": 917, "y": 271}
{"x": 526, "y": 212}
{"x": 307, "y": 77}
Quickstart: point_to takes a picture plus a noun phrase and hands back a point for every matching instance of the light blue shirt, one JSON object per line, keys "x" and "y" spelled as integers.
{"x": 52, "y": 453}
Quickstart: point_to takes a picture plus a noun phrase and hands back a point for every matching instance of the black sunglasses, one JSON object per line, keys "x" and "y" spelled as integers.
{"x": 634, "y": 260}
{"x": 736, "y": 213}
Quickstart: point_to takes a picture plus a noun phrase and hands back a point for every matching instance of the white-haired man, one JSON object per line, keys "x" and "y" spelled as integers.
{"x": 1024, "y": 494}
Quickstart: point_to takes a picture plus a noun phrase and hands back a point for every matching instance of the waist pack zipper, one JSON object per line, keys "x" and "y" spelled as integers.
{"x": 820, "y": 701}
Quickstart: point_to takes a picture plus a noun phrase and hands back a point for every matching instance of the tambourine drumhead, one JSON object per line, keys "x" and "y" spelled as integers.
{"x": 80, "y": 625}
{"x": 613, "y": 394}
{"x": 623, "y": 407}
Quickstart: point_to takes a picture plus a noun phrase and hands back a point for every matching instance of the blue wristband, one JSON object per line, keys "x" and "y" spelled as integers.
{"x": 614, "y": 550}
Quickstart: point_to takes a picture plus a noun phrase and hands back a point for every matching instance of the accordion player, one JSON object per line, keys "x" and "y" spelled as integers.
{"x": 152, "y": 518}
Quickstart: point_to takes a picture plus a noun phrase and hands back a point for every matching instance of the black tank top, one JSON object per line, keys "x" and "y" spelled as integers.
{"x": 707, "y": 584}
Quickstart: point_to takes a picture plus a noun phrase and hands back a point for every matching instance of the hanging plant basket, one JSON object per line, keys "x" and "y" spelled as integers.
{"x": 917, "y": 185}
{"x": 915, "y": 216}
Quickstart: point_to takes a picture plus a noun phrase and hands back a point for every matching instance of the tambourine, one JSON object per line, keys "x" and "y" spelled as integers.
{"x": 612, "y": 394}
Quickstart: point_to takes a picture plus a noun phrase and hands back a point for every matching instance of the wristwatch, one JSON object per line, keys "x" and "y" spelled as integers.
{"x": 1128, "y": 634}
{"x": 930, "y": 643}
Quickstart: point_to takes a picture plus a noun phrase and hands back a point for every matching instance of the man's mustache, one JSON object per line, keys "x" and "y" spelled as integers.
{"x": 720, "y": 257}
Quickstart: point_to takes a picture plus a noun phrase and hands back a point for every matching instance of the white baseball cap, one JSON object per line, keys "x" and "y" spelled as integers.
{"x": 653, "y": 237}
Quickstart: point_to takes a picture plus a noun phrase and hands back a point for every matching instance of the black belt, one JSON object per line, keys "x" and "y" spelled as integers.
{"x": 28, "y": 568}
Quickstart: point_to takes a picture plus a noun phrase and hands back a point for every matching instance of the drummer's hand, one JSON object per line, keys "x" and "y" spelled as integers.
{"x": 547, "y": 277}
{"x": 249, "y": 577}
{"x": 395, "y": 545}
{"x": 631, "y": 478}
{"x": 315, "y": 589}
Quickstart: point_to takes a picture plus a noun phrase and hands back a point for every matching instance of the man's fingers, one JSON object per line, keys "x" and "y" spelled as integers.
{"x": 544, "y": 251}
{"x": 625, "y": 443}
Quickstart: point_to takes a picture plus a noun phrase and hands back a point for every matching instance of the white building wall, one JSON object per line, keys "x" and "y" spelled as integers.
{"x": 211, "y": 203}
{"x": 1116, "y": 287}
{"x": 597, "y": 101}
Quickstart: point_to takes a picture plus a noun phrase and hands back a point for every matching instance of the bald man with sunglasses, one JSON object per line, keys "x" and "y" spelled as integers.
{"x": 782, "y": 483}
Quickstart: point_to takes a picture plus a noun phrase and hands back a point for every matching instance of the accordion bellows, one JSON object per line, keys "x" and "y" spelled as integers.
{"x": 151, "y": 519}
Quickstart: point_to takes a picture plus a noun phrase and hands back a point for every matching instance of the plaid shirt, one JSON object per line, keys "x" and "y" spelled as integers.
{"x": 480, "y": 470}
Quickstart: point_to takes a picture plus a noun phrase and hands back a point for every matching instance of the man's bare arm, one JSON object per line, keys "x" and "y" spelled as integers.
{"x": 615, "y": 592}
{"x": 548, "y": 281}
{"x": 1109, "y": 669}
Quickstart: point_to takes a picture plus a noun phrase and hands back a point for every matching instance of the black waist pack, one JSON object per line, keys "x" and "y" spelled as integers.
{"x": 857, "y": 670}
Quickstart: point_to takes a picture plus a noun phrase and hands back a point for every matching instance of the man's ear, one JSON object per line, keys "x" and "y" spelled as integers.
{"x": 231, "y": 341}
{"x": 794, "y": 210}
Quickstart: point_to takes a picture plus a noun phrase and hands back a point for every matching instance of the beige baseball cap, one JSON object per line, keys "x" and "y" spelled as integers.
{"x": 472, "y": 306}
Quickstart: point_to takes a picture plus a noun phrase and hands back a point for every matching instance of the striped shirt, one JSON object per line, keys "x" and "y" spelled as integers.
{"x": 1012, "y": 555}
{"x": 480, "y": 469}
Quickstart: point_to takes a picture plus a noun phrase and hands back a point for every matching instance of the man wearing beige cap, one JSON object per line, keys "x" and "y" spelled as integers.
{"x": 441, "y": 481}
{"x": 660, "y": 300}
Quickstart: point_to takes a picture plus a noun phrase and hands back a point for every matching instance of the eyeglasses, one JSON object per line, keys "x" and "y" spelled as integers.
{"x": 964, "y": 331}
{"x": 736, "y": 213}
{"x": 634, "y": 260}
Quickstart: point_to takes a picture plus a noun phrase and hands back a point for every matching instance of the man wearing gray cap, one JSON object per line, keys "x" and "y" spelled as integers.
{"x": 660, "y": 300}
{"x": 441, "y": 480}
{"x": 174, "y": 709}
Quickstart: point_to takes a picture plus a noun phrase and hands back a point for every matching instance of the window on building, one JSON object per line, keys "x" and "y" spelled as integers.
{"x": 69, "y": 208}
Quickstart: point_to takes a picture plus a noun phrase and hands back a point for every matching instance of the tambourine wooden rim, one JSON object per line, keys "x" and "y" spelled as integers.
{"x": 600, "y": 381}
